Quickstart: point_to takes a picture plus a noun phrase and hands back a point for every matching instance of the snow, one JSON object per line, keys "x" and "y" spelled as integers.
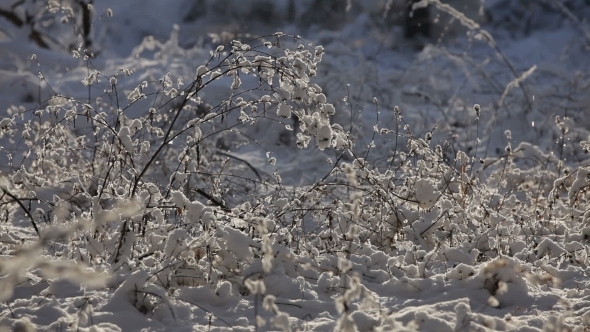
{"x": 366, "y": 182}
{"x": 284, "y": 110}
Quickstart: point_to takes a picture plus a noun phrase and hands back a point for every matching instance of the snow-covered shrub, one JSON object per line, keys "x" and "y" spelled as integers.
{"x": 142, "y": 188}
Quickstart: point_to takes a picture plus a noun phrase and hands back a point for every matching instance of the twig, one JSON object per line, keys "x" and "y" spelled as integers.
{"x": 27, "y": 212}
{"x": 291, "y": 304}
{"x": 242, "y": 160}
{"x": 212, "y": 199}
{"x": 484, "y": 35}
{"x": 585, "y": 31}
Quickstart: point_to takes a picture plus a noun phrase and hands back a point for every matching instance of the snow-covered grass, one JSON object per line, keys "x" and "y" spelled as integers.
{"x": 331, "y": 182}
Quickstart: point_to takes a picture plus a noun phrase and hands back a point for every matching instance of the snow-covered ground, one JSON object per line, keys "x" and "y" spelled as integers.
{"x": 332, "y": 177}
